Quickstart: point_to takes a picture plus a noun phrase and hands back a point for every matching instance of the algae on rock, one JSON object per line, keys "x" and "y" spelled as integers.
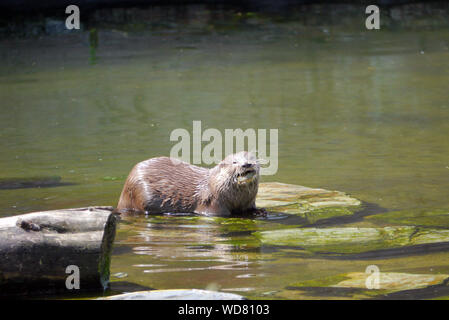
{"x": 310, "y": 203}
{"x": 386, "y": 283}
{"x": 352, "y": 240}
{"x": 416, "y": 217}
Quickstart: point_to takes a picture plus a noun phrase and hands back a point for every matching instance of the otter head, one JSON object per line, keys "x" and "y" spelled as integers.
{"x": 239, "y": 169}
{"x": 234, "y": 181}
{"x": 243, "y": 166}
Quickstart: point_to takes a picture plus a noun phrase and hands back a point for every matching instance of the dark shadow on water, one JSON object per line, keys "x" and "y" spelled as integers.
{"x": 429, "y": 292}
{"x": 421, "y": 249}
{"x": 415, "y": 250}
{"x": 32, "y": 182}
{"x": 119, "y": 287}
{"x": 329, "y": 291}
{"x": 368, "y": 209}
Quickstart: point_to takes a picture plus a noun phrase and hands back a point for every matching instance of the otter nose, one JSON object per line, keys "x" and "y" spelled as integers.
{"x": 247, "y": 165}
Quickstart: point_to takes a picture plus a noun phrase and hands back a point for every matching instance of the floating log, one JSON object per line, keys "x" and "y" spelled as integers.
{"x": 38, "y": 250}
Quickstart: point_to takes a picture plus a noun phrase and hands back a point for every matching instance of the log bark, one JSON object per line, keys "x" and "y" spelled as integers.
{"x": 37, "y": 248}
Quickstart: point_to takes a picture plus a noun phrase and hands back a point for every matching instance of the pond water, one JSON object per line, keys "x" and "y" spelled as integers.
{"x": 363, "y": 112}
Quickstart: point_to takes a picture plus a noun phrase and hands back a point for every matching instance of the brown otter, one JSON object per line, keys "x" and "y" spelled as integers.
{"x": 166, "y": 185}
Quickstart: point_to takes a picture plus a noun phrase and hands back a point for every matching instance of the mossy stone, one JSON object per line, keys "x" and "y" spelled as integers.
{"x": 417, "y": 217}
{"x": 310, "y": 203}
{"x": 352, "y": 240}
{"x": 388, "y": 282}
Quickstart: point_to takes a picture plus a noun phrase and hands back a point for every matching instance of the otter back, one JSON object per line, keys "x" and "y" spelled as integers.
{"x": 160, "y": 185}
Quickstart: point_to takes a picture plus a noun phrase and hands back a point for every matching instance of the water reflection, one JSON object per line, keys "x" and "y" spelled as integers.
{"x": 192, "y": 245}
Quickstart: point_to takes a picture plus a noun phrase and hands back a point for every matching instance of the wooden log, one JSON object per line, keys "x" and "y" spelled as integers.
{"x": 37, "y": 248}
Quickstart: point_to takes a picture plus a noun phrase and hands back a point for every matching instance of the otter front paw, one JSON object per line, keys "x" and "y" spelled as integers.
{"x": 259, "y": 212}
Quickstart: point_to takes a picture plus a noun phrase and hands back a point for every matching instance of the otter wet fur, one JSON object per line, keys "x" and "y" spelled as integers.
{"x": 167, "y": 185}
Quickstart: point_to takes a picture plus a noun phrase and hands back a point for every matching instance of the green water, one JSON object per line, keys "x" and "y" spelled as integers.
{"x": 358, "y": 111}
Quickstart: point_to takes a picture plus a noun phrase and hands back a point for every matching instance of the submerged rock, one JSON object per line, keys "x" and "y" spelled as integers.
{"x": 310, "y": 203}
{"x": 352, "y": 240}
{"x": 388, "y": 282}
{"x": 417, "y": 217}
{"x": 177, "y": 294}
{"x": 31, "y": 182}
{"x": 392, "y": 281}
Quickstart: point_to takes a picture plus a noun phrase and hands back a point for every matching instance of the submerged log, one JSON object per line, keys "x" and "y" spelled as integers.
{"x": 36, "y": 250}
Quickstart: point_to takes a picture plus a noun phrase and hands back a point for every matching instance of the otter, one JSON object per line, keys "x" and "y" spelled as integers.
{"x": 168, "y": 185}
